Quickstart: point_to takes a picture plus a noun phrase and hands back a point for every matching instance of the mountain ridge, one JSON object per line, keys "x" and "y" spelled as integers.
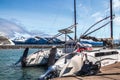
{"x": 11, "y": 29}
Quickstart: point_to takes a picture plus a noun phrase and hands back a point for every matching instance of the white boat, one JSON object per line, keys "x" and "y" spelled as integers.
{"x": 41, "y": 57}
{"x": 86, "y": 62}
{"x": 82, "y": 63}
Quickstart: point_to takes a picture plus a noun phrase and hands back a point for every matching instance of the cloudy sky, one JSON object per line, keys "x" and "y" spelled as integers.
{"x": 49, "y": 16}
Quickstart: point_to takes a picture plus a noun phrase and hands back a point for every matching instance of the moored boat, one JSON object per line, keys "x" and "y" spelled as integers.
{"x": 86, "y": 62}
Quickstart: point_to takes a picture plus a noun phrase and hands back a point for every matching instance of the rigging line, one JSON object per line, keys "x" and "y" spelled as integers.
{"x": 59, "y": 34}
{"x": 96, "y": 24}
{"x": 72, "y": 26}
{"x": 97, "y": 29}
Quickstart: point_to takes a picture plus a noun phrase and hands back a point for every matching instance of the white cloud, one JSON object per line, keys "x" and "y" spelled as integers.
{"x": 12, "y": 29}
{"x": 2, "y": 34}
{"x": 117, "y": 20}
{"x": 96, "y": 14}
{"x": 17, "y": 34}
{"x": 116, "y": 4}
{"x": 83, "y": 10}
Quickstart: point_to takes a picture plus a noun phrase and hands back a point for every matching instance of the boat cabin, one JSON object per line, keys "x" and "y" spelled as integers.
{"x": 105, "y": 56}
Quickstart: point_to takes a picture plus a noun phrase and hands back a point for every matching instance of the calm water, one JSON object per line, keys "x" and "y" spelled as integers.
{"x": 10, "y": 72}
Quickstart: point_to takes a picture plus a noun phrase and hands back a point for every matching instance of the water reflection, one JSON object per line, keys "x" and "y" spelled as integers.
{"x": 31, "y": 73}
{"x": 8, "y": 71}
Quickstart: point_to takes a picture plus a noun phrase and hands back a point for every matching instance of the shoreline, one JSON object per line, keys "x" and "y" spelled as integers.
{"x": 36, "y": 46}
{"x": 19, "y": 46}
{"x": 29, "y": 46}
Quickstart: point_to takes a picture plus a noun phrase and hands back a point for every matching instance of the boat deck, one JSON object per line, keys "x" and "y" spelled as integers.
{"x": 111, "y": 72}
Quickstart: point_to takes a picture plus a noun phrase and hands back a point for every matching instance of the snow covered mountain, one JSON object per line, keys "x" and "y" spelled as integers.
{"x": 5, "y": 41}
{"x": 14, "y": 30}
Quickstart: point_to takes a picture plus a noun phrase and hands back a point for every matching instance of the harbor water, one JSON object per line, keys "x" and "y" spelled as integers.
{"x": 8, "y": 71}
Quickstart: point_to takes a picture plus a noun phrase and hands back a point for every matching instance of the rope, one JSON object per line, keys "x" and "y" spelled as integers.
{"x": 96, "y": 24}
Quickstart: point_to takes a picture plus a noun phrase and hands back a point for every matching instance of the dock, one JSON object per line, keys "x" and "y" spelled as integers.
{"x": 111, "y": 72}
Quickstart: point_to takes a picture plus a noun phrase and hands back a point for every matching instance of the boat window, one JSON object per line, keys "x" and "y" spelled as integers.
{"x": 105, "y": 53}
{"x": 99, "y": 54}
{"x": 114, "y": 52}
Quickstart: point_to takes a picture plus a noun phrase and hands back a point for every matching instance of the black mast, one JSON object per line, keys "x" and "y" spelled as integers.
{"x": 75, "y": 19}
{"x": 111, "y": 19}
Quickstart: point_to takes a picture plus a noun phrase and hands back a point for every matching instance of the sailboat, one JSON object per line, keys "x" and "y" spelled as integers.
{"x": 42, "y": 57}
{"x": 86, "y": 62}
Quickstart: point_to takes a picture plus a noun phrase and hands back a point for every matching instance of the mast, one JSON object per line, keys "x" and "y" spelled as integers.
{"x": 111, "y": 19}
{"x": 75, "y": 20}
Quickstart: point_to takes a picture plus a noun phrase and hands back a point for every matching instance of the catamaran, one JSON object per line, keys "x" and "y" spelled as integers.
{"x": 41, "y": 57}
{"x": 86, "y": 62}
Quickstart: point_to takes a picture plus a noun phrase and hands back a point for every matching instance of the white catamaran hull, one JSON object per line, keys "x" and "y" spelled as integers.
{"x": 41, "y": 57}
{"x": 73, "y": 63}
